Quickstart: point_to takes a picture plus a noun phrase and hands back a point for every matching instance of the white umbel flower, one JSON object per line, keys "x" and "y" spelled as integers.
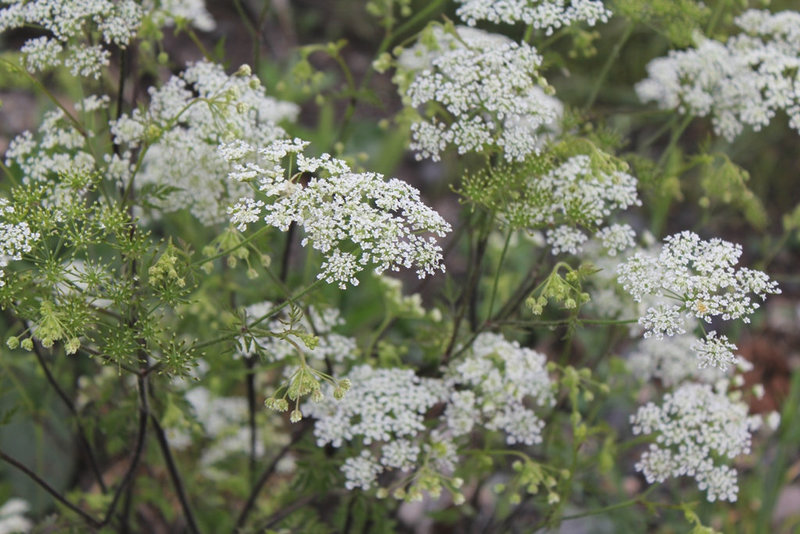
{"x": 548, "y": 15}
{"x": 742, "y": 82}
{"x": 356, "y": 220}
{"x": 489, "y": 88}
{"x": 695, "y": 428}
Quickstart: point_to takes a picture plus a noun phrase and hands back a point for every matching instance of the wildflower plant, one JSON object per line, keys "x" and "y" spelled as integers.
{"x": 216, "y": 291}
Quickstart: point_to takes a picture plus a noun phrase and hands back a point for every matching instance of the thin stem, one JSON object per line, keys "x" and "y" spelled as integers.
{"x": 175, "y": 476}
{"x": 272, "y": 313}
{"x": 265, "y": 476}
{"x": 497, "y": 273}
{"x": 51, "y": 490}
{"x": 144, "y": 411}
{"x": 75, "y": 122}
{"x": 612, "y": 57}
{"x": 84, "y": 441}
{"x": 623, "y": 504}
{"x": 241, "y": 243}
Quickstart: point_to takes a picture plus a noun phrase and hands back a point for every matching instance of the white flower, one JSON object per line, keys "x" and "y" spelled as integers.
{"x": 488, "y": 86}
{"x": 185, "y": 157}
{"x": 16, "y": 237}
{"x": 382, "y": 405}
{"x": 672, "y": 361}
{"x": 361, "y": 471}
{"x": 12, "y": 517}
{"x": 548, "y": 15}
{"x": 494, "y": 386}
{"x": 693, "y": 278}
{"x": 695, "y": 428}
{"x": 715, "y": 351}
{"x": 617, "y": 238}
{"x": 741, "y": 82}
{"x": 572, "y": 195}
{"x": 356, "y": 220}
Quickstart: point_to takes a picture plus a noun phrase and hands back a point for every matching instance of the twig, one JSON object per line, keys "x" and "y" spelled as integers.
{"x": 177, "y": 482}
{"x": 94, "y": 523}
{"x": 144, "y": 411}
{"x": 37, "y": 349}
{"x": 262, "y": 480}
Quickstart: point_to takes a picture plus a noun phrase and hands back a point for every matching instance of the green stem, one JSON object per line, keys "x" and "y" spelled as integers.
{"x": 612, "y": 57}
{"x": 497, "y": 274}
{"x": 612, "y": 507}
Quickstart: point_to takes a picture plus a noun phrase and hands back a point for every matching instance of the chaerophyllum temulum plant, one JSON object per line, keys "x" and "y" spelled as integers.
{"x": 476, "y": 270}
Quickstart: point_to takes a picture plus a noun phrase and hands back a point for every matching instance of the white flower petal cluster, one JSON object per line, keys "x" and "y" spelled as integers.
{"x": 166, "y": 12}
{"x": 696, "y": 428}
{"x": 494, "y": 385}
{"x": 548, "y": 15}
{"x": 357, "y": 220}
{"x": 57, "y": 148}
{"x": 673, "y": 360}
{"x": 384, "y": 408}
{"x": 488, "y": 88}
{"x": 691, "y": 277}
{"x": 575, "y": 194}
{"x": 331, "y": 347}
{"x": 67, "y": 24}
{"x": 16, "y": 237}
{"x": 12, "y": 517}
{"x": 190, "y": 115}
{"x": 744, "y": 81}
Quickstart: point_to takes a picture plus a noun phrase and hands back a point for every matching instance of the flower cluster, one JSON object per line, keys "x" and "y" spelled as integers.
{"x": 494, "y": 385}
{"x": 68, "y": 23}
{"x": 385, "y": 407}
{"x": 695, "y": 427}
{"x": 488, "y": 88}
{"x": 58, "y": 148}
{"x": 16, "y": 237}
{"x": 577, "y": 194}
{"x": 355, "y": 219}
{"x": 741, "y": 82}
{"x": 693, "y": 278}
{"x": 674, "y": 360}
{"x": 12, "y": 517}
{"x": 187, "y": 119}
{"x": 548, "y": 15}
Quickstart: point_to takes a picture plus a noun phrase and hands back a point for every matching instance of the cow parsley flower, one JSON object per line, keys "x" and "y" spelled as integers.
{"x": 673, "y": 360}
{"x": 69, "y": 23}
{"x": 495, "y": 385}
{"x": 12, "y": 517}
{"x": 191, "y": 115}
{"x": 384, "y": 408}
{"x": 487, "y": 88}
{"x": 548, "y": 15}
{"x": 691, "y": 277}
{"x": 356, "y": 220}
{"x": 744, "y": 81}
{"x": 695, "y": 428}
{"x": 16, "y": 237}
{"x": 575, "y": 194}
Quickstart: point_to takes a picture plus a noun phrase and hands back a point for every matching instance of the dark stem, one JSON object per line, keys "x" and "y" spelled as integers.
{"x": 94, "y": 523}
{"x": 250, "y": 362}
{"x": 144, "y": 411}
{"x": 287, "y": 511}
{"x": 84, "y": 441}
{"x": 177, "y": 482}
{"x": 265, "y": 476}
